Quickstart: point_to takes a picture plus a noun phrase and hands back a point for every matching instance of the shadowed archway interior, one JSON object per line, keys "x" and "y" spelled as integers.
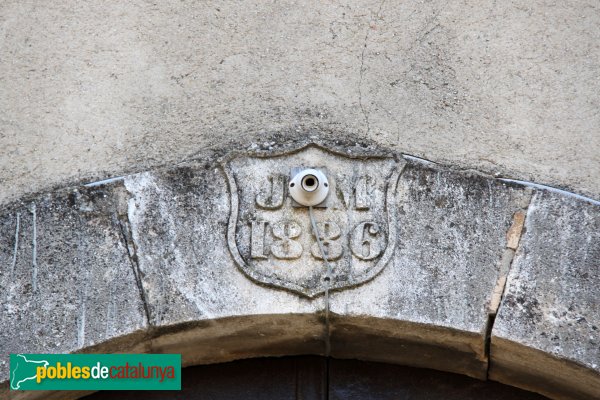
{"x": 319, "y": 378}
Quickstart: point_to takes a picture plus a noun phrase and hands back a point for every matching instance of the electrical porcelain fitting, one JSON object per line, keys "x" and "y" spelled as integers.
{"x": 309, "y": 187}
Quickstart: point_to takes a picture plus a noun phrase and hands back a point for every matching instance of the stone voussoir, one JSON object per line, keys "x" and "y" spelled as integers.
{"x": 546, "y": 336}
{"x": 158, "y": 262}
{"x": 66, "y": 278}
{"x": 429, "y": 307}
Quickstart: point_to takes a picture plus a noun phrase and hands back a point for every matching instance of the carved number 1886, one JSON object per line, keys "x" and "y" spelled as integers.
{"x": 366, "y": 240}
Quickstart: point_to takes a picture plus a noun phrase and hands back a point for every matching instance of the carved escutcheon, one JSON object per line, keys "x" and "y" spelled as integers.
{"x": 272, "y": 239}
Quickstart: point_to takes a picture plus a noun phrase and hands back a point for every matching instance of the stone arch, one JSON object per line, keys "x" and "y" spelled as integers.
{"x": 488, "y": 278}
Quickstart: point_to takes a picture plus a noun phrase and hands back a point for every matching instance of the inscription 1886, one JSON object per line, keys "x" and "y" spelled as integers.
{"x": 366, "y": 240}
{"x": 272, "y": 240}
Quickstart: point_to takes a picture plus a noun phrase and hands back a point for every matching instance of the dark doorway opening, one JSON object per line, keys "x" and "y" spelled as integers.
{"x": 318, "y": 378}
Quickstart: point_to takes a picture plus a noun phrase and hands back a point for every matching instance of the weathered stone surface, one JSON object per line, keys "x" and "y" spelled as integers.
{"x": 66, "y": 281}
{"x": 148, "y": 263}
{"x": 179, "y": 223}
{"x": 429, "y": 307}
{"x": 548, "y": 326}
{"x": 92, "y": 90}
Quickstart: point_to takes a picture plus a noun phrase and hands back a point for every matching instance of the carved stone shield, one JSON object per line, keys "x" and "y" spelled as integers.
{"x": 271, "y": 238}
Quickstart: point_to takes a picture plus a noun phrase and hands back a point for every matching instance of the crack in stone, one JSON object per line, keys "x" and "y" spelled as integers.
{"x": 127, "y": 236}
{"x": 513, "y": 237}
{"x": 327, "y": 326}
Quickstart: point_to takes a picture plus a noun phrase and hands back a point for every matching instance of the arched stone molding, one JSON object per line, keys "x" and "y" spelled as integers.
{"x": 142, "y": 264}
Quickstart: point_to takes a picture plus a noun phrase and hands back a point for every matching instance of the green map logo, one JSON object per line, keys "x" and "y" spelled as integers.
{"x": 23, "y": 369}
{"x": 95, "y": 372}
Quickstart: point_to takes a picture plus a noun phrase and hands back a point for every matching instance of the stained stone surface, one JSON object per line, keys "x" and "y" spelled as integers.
{"x": 451, "y": 236}
{"x": 549, "y": 318}
{"x": 66, "y": 280}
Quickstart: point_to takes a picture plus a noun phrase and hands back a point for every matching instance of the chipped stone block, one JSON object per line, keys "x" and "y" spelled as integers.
{"x": 66, "y": 280}
{"x": 548, "y": 327}
{"x": 429, "y": 307}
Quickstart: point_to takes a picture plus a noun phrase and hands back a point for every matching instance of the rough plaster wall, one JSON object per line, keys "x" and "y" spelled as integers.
{"x": 91, "y": 90}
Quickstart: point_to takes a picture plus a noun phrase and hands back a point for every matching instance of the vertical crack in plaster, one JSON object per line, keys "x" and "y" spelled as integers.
{"x": 360, "y": 81}
{"x": 362, "y": 68}
{"x": 513, "y": 237}
{"x": 127, "y": 235}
